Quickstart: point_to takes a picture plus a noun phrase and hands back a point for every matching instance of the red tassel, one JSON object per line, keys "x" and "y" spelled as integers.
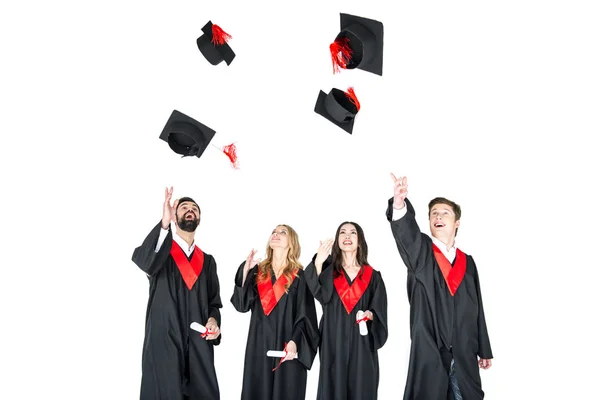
{"x": 352, "y": 97}
{"x": 220, "y": 37}
{"x": 340, "y": 54}
{"x": 230, "y": 151}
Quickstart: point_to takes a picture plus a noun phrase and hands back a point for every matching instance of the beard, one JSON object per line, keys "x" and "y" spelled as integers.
{"x": 188, "y": 225}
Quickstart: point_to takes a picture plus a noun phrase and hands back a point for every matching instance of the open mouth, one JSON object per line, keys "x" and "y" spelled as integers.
{"x": 439, "y": 225}
{"x": 347, "y": 243}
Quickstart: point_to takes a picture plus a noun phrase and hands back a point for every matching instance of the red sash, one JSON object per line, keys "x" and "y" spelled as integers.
{"x": 190, "y": 271}
{"x": 452, "y": 275}
{"x": 271, "y": 293}
{"x": 350, "y": 295}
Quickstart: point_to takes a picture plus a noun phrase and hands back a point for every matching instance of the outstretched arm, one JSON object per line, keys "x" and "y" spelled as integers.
{"x": 151, "y": 256}
{"x": 407, "y": 234}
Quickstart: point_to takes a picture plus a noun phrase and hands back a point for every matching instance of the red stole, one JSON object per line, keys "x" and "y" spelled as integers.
{"x": 190, "y": 270}
{"x": 452, "y": 275}
{"x": 271, "y": 293}
{"x": 350, "y": 295}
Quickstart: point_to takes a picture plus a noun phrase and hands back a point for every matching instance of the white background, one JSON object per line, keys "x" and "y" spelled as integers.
{"x": 493, "y": 105}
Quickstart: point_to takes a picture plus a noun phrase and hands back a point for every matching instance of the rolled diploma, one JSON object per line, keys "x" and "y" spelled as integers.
{"x": 278, "y": 354}
{"x": 197, "y": 327}
{"x": 362, "y": 325}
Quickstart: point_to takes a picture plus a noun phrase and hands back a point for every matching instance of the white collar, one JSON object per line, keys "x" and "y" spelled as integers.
{"x": 442, "y": 245}
{"x": 183, "y": 244}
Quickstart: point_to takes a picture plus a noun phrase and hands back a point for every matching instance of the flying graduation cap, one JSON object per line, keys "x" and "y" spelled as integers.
{"x": 189, "y": 138}
{"x": 339, "y": 107}
{"x": 358, "y": 45}
{"x": 213, "y": 44}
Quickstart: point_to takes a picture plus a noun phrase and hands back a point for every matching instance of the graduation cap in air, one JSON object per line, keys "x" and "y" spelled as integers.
{"x": 358, "y": 45}
{"x": 189, "y": 138}
{"x": 213, "y": 44}
{"x": 339, "y": 107}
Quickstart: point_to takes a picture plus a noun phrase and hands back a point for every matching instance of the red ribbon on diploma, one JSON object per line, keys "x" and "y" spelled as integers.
{"x": 282, "y": 358}
{"x": 206, "y": 333}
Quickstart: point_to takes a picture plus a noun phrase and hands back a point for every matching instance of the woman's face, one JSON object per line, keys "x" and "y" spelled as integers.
{"x": 279, "y": 238}
{"x": 348, "y": 238}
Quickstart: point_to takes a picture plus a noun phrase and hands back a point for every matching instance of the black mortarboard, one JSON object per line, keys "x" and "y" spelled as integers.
{"x": 213, "y": 44}
{"x": 358, "y": 45}
{"x": 339, "y": 107}
{"x": 185, "y": 135}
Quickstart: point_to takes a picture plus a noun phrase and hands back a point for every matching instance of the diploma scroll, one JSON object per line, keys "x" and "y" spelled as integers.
{"x": 197, "y": 327}
{"x": 362, "y": 325}
{"x": 278, "y": 354}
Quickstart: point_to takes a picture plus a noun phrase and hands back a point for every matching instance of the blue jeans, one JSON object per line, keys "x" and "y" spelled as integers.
{"x": 454, "y": 383}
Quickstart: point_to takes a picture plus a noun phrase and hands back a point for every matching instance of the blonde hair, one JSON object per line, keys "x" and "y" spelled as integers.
{"x": 292, "y": 264}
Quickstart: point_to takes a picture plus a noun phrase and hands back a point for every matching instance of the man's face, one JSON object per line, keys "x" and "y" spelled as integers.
{"x": 442, "y": 222}
{"x": 188, "y": 216}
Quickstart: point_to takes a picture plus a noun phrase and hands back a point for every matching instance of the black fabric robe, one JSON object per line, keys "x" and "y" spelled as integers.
{"x": 177, "y": 363}
{"x": 349, "y": 367}
{"x": 442, "y": 327}
{"x": 293, "y": 318}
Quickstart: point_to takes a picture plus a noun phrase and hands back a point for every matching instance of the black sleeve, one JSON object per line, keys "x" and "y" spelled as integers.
{"x": 244, "y": 295}
{"x": 306, "y": 327}
{"x": 378, "y": 328}
{"x": 320, "y": 286}
{"x": 145, "y": 256}
{"x": 485, "y": 349}
{"x": 214, "y": 296}
{"x": 412, "y": 244}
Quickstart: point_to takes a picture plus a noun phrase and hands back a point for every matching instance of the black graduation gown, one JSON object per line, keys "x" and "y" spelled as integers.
{"x": 293, "y": 318}
{"x": 177, "y": 363}
{"x": 442, "y": 327}
{"x": 349, "y": 367}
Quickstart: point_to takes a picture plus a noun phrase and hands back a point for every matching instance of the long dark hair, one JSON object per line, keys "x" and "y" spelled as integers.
{"x": 361, "y": 252}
